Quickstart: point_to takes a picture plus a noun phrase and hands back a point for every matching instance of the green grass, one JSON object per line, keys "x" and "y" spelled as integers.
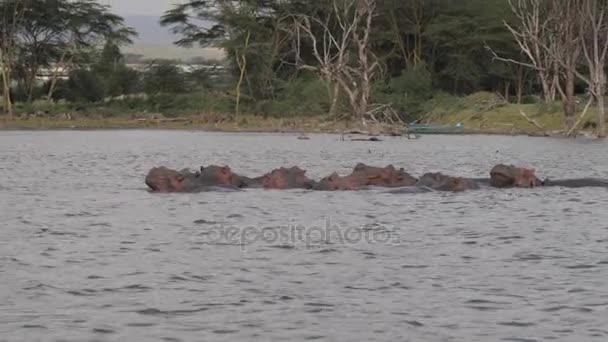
{"x": 485, "y": 112}
{"x": 479, "y": 113}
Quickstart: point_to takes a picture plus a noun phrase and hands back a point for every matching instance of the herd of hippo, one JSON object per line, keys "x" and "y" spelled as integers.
{"x": 162, "y": 179}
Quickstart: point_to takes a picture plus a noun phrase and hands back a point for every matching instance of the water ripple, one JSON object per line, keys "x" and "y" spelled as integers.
{"x": 88, "y": 254}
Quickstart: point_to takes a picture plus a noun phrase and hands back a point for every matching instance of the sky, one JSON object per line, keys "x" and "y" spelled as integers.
{"x": 140, "y": 7}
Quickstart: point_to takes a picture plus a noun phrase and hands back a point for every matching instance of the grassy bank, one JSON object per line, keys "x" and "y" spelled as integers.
{"x": 479, "y": 113}
{"x": 485, "y": 112}
{"x": 245, "y": 123}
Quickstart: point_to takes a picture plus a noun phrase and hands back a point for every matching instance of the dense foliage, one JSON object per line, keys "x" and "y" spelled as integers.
{"x": 283, "y": 57}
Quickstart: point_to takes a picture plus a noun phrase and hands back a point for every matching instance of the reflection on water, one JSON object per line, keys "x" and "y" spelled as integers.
{"x": 88, "y": 254}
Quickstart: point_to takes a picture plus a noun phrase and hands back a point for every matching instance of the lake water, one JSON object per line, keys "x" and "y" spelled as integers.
{"x": 87, "y": 254}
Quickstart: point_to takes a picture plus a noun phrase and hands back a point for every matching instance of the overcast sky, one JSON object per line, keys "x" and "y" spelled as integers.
{"x": 141, "y": 7}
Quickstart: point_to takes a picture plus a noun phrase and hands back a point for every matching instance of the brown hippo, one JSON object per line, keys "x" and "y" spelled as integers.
{"x": 287, "y": 178}
{"x": 382, "y": 176}
{"x": 507, "y": 176}
{"x": 162, "y": 179}
{"x": 214, "y": 175}
{"x": 440, "y": 182}
{"x": 335, "y": 182}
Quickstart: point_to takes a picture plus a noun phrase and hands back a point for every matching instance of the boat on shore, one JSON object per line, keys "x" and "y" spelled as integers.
{"x": 415, "y": 128}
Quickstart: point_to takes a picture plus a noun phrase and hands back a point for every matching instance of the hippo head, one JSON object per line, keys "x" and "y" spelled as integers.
{"x": 504, "y": 176}
{"x": 336, "y": 182}
{"x": 285, "y": 178}
{"x": 219, "y": 175}
{"x": 162, "y": 179}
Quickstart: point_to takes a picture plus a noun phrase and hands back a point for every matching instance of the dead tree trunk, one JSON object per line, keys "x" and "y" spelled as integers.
{"x": 344, "y": 56}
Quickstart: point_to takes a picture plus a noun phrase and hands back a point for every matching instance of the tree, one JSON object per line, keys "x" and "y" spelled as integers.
{"x": 594, "y": 30}
{"x": 343, "y": 54}
{"x": 54, "y": 34}
{"x": 111, "y": 67}
{"x": 12, "y": 16}
{"x": 245, "y": 29}
{"x": 164, "y": 77}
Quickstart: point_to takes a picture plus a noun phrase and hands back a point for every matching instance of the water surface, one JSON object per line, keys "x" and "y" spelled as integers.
{"x": 87, "y": 254}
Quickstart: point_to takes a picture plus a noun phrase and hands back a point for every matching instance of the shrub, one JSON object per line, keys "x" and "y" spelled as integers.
{"x": 407, "y": 93}
{"x": 84, "y": 85}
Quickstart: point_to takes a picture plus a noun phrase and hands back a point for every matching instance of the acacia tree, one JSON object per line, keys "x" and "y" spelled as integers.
{"x": 87, "y": 25}
{"x": 341, "y": 47}
{"x": 246, "y": 29}
{"x": 53, "y": 36}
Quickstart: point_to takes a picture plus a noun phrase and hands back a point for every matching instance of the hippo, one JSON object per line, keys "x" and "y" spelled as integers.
{"x": 336, "y": 182}
{"x": 220, "y": 175}
{"x": 510, "y": 176}
{"x": 162, "y": 179}
{"x": 382, "y": 176}
{"x": 440, "y": 182}
{"x": 287, "y": 178}
{"x": 577, "y": 183}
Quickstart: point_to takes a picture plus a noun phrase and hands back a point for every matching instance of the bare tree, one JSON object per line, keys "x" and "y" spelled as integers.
{"x": 583, "y": 26}
{"x": 343, "y": 56}
{"x": 594, "y": 30}
{"x": 530, "y": 33}
{"x": 565, "y": 48}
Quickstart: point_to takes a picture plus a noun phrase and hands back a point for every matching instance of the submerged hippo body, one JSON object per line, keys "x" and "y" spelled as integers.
{"x": 440, "y": 182}
{"x": 510, "y": 176}
{"x": 221, "y": 178}
{"x": 387, "y": 176}
{"x": 214, "y": 175}
{"x": 211, "y": 178}
{"x": 577, "y": 183}
{"x": 287, "y": 178}
{"x": 335, "y": 182}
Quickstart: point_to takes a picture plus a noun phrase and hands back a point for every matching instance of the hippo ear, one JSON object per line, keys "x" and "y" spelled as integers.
{"x": 225, "y": 169}
{"x": 202, "y": 168}
{"x": 180, "y": 178}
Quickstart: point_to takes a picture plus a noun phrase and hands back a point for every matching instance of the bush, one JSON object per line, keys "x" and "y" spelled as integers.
{"x": 407, "y": 93}
{"x": 164, "y": 77}
{"x": 122, "y": 81}
{"x": 84, "y": 85}
{"x": 303, "y": 95}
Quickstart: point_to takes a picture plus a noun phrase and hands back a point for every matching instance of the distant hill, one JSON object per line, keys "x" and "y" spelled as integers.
{"x": 169, "y": 51}
{"x": 149, "y": 29}
{"x": 156, "y": 42}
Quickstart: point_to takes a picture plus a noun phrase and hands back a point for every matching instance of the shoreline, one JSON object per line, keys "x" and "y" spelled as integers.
{"x": 301, "y": 126}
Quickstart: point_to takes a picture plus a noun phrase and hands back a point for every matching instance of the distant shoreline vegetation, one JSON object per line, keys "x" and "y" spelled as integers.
{"x": 342, "y": 61}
